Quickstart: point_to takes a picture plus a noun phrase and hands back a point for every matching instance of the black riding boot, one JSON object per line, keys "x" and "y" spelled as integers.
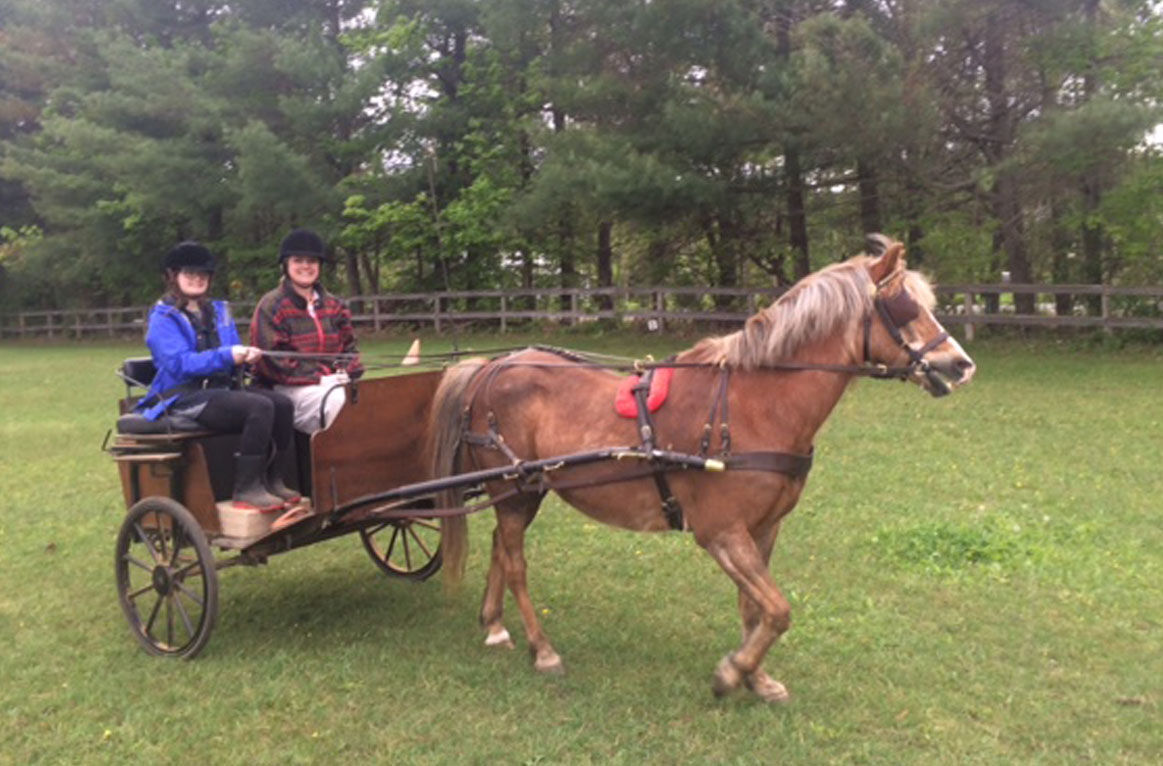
{"x": 248, "y": 484}
{"x": 273, "y": 479}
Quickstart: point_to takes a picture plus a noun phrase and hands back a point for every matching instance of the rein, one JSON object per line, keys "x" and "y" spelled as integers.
{"x": 894, "y": 312}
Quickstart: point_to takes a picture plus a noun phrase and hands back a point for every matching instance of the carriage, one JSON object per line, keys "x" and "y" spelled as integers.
{"x": 178, "y": 533}
{"x": 517, "y": 426}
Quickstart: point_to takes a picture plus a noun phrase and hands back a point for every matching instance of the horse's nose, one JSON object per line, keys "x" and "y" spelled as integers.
{"x": 965, "y": 369}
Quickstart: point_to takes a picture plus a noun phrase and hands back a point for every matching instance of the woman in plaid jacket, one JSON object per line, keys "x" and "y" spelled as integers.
{"x": 301, "y": 316}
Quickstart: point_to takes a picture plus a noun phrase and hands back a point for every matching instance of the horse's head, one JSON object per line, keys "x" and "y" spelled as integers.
{"x": 901, "y": 330}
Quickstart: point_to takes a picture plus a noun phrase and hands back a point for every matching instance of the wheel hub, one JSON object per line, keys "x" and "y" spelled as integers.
{"x": 163, "y": 580}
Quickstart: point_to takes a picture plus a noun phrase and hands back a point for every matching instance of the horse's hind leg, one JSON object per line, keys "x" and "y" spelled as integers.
{"x": 765, "y": 611}
{"x": 493, "y": 604}
{"x": 508, "y": 568}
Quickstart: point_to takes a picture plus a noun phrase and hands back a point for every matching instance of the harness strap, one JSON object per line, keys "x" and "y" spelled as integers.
{"x": 719, "y": 402}
{"x": 787, "y": 463}
{"x": 671, "y": 508}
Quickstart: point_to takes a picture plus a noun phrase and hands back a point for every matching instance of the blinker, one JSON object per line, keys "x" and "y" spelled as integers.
{"x": 901, "y": 308}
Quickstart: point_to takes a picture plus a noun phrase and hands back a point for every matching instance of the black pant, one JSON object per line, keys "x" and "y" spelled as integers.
{"x": 263, "y": 417}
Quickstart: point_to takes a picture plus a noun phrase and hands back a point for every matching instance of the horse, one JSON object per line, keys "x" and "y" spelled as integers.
{"x": 779, "y": 377}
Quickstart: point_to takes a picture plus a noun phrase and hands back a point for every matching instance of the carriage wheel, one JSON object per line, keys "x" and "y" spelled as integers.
{"x": 166, "y": 580}
{"x": 408, "y": 548}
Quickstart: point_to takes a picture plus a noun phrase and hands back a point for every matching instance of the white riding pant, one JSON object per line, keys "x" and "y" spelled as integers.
{"x": 316, "y": 406}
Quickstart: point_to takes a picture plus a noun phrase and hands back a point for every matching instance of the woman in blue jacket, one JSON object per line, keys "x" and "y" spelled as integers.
{"x": 199, "y": 358}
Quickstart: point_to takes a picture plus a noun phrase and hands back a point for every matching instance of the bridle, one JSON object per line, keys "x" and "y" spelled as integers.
{"x": 895, "y": 313}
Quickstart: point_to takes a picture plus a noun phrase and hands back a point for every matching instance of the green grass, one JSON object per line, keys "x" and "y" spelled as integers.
{"x": 977, "y": 579}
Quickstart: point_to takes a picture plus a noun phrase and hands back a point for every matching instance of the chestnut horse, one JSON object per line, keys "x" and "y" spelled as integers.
{"x": 785, "y": 371}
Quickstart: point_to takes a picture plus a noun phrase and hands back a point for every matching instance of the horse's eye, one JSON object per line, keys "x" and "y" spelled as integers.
{"x": 902, "y": 308}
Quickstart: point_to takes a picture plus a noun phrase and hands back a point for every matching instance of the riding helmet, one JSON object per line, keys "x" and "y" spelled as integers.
{"x": 302, "y": 242}
{"x": 188, "y": 255}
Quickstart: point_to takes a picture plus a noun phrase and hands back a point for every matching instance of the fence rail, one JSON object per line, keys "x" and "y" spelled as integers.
{"x": 968, "y": 306}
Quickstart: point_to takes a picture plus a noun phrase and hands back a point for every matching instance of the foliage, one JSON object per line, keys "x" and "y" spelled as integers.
{"x": 496, "y": 143}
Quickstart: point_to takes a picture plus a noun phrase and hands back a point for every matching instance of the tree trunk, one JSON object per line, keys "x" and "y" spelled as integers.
{"x": 1007, "y": 207}
{"x": 794, "y": 192}
{"x": 721, "y": 237}
{"x": 868, "y": 188}
{"x": 565, "y": 242}
{"x": 215, "y": 229}
{"x": 354, "y": 284}
{"x": 797, "y": 221}
{"x": 914, "y": 235}
{"x": 371, "y": 272}
{"x": 1092, "y": 230}
{"x": 605, "y": 264}
{"x": 1059, "y": 263}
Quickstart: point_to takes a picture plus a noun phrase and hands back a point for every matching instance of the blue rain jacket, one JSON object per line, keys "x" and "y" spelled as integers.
{"x": 173, "y": 343}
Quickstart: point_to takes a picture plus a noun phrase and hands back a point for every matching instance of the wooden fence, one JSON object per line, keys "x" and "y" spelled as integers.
{"x": 967, "y": 306}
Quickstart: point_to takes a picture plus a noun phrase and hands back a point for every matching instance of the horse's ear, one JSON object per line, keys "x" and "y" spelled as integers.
{"x": 887, "y": 264}
{"x": 875, "y": 244}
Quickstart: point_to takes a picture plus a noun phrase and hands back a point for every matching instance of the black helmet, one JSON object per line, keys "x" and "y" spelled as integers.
{"x": 188, "y": 255}
{"x": 302, "y": 242}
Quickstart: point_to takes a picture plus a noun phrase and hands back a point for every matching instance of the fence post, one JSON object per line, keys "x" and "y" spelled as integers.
{"x": 376, "y": 313}
{"x": 504, "y": 309}
{"x": 1106, "y": 309}
{"x": 573, "y": 308}
{"x": 436, "y": 312}
{"x": 969, "y": 328}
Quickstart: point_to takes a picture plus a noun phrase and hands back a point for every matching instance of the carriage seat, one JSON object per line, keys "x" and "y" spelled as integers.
{"x": 137, "y": 424}
{"x": 139, "y": 372}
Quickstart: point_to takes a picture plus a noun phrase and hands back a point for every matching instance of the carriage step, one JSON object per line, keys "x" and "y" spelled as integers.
{"x": 162, "y": 438}
{"x": 147, "y": 457}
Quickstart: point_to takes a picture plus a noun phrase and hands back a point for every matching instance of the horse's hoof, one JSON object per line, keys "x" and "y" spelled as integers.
{"x": 499, "y": 638}
{"x": 768, "y": 689}
{"x": 551, "y": 664}
{"x": 727, "y": 677}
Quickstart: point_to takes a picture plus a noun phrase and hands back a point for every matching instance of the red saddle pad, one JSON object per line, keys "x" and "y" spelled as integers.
{"x": 659, "y": 387}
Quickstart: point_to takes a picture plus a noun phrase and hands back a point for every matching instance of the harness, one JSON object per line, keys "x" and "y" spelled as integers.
{"x": 790, "y": 464}
{"x": 537, "y": 476}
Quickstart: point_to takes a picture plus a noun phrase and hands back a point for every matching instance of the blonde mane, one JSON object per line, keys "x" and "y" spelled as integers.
{"x": 815, "y": 308}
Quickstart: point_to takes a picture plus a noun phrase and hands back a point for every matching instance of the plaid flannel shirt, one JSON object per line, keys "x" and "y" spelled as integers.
{"x": 281, "y": 322}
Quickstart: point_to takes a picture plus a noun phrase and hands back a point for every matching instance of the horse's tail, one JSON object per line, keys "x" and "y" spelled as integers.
{"x": 445, "y": 428}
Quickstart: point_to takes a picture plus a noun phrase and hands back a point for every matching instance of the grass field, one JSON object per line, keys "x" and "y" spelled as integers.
{"x": 977, "y": 579}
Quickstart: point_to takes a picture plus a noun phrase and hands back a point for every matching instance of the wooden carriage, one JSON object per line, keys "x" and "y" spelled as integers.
{"x": 175, "y": 479}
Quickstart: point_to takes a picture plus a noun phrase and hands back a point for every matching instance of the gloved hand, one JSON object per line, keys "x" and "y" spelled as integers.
{"x": 245, "y": 354}
{"x": 337, "y": 378}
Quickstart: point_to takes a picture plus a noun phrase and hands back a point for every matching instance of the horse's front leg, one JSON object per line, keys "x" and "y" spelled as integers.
{"x": 765, "y": 611}
{"x": 759, "y": 681}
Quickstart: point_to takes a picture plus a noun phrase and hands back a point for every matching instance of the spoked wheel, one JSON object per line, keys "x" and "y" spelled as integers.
{"x": 166, "y": 580}
{"x": 408, "y": 548}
